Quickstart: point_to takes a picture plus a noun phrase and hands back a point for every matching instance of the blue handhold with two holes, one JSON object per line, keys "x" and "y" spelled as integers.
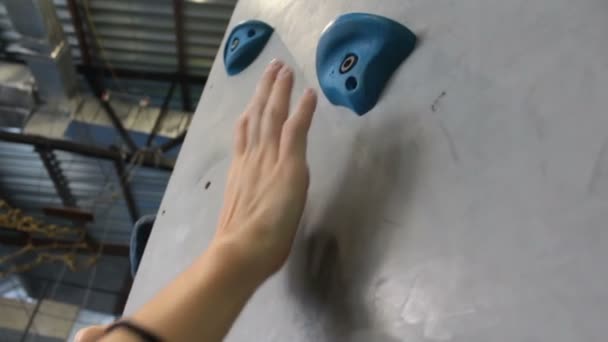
{"x": 356, "y": 56}
{"x": 244, "y": 44}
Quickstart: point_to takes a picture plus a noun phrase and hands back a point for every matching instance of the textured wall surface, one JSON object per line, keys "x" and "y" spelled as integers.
{"x": 469, "y": 205}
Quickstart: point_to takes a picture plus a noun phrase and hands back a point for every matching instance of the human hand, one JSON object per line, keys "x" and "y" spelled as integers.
{"x": 268, "y": 178}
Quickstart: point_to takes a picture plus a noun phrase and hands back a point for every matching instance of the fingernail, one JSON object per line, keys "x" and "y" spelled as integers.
{"x": 275, "y": 63}
{"x": 309, "y": 92}
{"x": 285, "y": 71}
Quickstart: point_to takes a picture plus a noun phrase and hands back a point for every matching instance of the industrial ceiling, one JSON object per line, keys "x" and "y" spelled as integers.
{"x": 158, "y": 52}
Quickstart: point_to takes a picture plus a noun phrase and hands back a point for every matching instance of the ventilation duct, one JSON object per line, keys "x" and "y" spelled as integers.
{"x": 44, "y": 48}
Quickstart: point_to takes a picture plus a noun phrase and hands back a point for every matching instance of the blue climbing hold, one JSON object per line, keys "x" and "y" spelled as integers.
{"x": 356, "y": 56}
{"x": 244, "y": 44}
{"x": 139, "y": 238}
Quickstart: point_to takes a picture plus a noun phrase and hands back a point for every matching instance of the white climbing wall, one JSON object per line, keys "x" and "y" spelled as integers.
{"x": 471, "y": 204}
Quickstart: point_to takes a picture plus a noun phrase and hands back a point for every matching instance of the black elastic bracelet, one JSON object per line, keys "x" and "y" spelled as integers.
{"x": 146, "y": 336}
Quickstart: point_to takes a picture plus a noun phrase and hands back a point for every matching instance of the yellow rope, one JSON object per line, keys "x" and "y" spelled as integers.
{"x": 14, "y": 219}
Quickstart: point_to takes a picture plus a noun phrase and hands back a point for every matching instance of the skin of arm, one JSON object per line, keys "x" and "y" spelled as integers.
{"x": 263, "y": 202}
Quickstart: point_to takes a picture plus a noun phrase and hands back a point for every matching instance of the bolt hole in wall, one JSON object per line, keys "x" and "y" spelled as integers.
{"x": 207, "y": 185}
{"x": 351, "y": 83}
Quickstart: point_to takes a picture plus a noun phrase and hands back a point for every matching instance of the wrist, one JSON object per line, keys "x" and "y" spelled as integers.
{"x": 236, "y": 260}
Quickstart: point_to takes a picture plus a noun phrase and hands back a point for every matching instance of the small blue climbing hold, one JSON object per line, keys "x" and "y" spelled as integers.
{"x": 244, "y": 44}
{"x": 356, "y": 56}
{"x": 139, "y": 238}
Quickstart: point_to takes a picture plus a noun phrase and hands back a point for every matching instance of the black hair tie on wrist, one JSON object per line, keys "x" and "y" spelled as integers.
{"x": 142, "y": 333}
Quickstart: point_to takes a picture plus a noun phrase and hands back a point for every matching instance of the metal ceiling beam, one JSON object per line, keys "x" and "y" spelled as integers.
{"x": 164, "y": 109}
{"x": 53, "y": 168}
{"x": 78, "y": 29}
{"x": 83, "y": 150}
{"x": 62, "y": 186}
{"x": 178, "y": 18}
{"x": 140, "y": 75}
{"x": 77, "y": 216}
{"x": 127, "y": 194}
{"x": 124, "y": 134}
{"x": 98, "y": 90}
{"x": 58, "y": 144}
{"x": 171, "y": 144}
{"x": 74, "y": 214}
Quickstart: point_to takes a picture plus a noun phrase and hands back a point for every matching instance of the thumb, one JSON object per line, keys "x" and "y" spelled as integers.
{"x": 90, "y": 334}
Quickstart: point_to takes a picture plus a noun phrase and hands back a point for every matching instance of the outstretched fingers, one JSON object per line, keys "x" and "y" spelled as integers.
{"x": 277, "y": 107}
{"x": 255, "y": 109}
{"x": 295, "y": 130}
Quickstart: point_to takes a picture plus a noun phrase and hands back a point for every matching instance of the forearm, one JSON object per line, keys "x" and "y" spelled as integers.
{"x": 203, "y": 302}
